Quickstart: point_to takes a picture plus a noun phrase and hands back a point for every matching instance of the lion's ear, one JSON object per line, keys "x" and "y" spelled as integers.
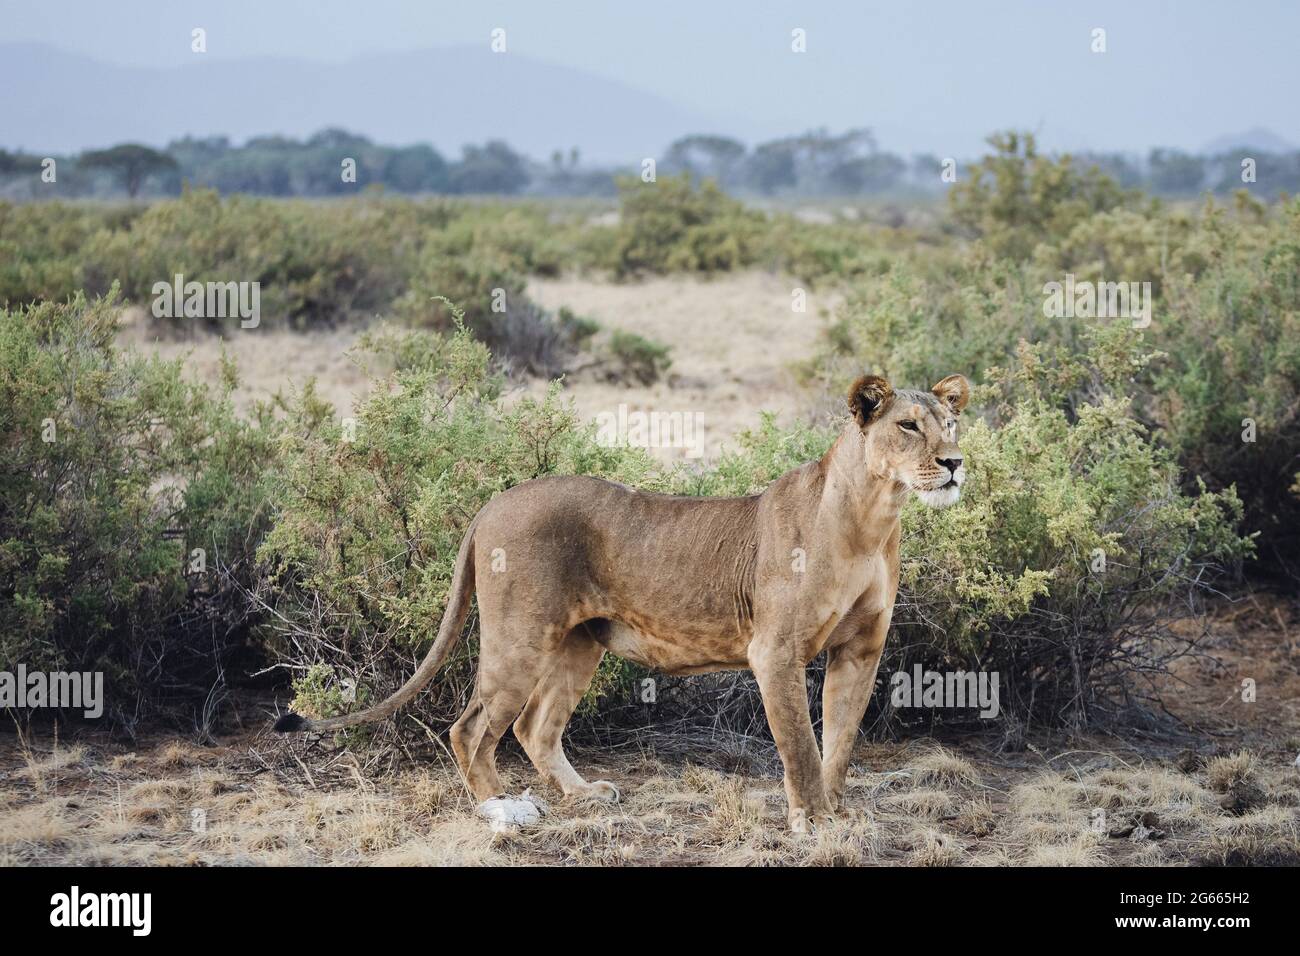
{"x": 953, "y": 391}
{"x": 868, "y": 397}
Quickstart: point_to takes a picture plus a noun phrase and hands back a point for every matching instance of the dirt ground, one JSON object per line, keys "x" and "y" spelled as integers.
{"x": 1219, "y": 788}
{"x": 722, "y": 336}
{"x": 269, "y": 360}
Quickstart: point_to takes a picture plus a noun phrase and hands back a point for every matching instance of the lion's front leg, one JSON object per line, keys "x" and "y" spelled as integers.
{"x": 850, "y": 677}
{"x": 781, "y": 679}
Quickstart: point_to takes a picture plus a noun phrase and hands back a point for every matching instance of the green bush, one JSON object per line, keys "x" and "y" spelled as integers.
{"x": 671, "y": 225}
{"x": 315, "y": 265}
{"x": 521, "y": 335}
{"x": 1016, "y": 197}
{"x": 640, "y": 358}
{"x": 1226, "y": 299}
{"x": 116, "y": 470}
{"x": 1073, "y": 534}
{"x": 42, "y": 247}
{"x": 831, "y": 253}
{"x": 1232, "y": 334}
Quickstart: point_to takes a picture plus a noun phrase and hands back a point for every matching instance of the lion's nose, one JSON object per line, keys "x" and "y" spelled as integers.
{"x": 952, "y": 464}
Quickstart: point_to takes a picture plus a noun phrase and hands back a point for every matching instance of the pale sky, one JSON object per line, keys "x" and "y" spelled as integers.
{"x": 935, "y": 75}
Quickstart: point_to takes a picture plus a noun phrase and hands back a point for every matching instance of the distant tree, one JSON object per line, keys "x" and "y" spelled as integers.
{"x": 1176, "y": 172}
{"x": 1117, "y": 166}
{"x": 716, "y": 157}
{"x": 273, "y": 143}
{"x": 11, "y": 162}
{"x": 131, "y": 162}
{"x": 925, "y": 170}
{"x": 491, "y": 168}
{"x": 815, "y": 161}
{"x": 414, "y": 169}
{"x": 877, "y": 173}
{"x": 335, "y": 138}
{"x": 198, "y": 146}
{"x": 247, "y": 171}
{"x": 819, "y": 153}
{"x": 772, "y": 167}
{"x": 1277, "y": 173}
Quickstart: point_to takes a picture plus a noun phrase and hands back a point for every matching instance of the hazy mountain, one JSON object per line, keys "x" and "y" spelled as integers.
{"x": 1257, "y": 138}
{"x": 61, "y": 102}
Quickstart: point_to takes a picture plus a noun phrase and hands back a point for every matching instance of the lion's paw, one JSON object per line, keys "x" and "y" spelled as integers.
{"x": 598, "y": 791}
{"x": 801, "y": 821}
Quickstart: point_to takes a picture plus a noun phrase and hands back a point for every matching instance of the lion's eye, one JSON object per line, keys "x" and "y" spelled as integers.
{"x": 908, "y": 425}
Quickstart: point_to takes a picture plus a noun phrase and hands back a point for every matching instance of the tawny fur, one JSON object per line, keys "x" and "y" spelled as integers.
{"x": 568, "y": 568}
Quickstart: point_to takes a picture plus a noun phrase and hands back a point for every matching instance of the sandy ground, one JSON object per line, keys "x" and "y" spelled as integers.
{"x": 269, "y": 360}
{"x": 1223, "y": 790}
{"x": 733, "y": 341}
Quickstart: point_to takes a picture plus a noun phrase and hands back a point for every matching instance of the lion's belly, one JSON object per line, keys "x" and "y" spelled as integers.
{"x": 693, "y": 654}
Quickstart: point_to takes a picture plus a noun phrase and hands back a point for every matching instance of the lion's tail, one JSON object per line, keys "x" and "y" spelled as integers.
{"x": 453, "y": 622}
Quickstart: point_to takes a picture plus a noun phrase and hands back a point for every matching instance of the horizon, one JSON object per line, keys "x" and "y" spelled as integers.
{"x": 946, "y": 78}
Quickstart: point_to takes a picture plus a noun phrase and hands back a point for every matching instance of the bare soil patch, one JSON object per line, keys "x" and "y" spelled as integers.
{"x": 734, "y": 341}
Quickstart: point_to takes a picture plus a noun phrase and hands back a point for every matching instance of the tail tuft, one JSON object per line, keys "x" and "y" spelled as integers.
{"x": 291, "y": 723}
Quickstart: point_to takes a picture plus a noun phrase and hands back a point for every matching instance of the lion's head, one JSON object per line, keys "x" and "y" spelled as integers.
{"x": 911, "y": 436}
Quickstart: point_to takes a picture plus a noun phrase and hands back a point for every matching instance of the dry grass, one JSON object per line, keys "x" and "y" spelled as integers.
{"x": 942, "y": 767}
{"x": 41, "y": 768}
{"x": 936, "y": 849}
{"x": 1224, "y": 773}
{"x": 926, "y": 804}
{"x": 977, "y": 818}
{"x": 172, "y": 802}
{"x": 1270, "y": 836}
{"x": 738, "y": 814}
{"x": 182, "y": 805}
{"x": 1082, "y": 849}
{"x": 177, "y": 806}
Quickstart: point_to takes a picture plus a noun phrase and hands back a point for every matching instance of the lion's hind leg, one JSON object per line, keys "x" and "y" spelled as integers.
{"x": 540, "y": 728}
{"x": 513, "y": 657}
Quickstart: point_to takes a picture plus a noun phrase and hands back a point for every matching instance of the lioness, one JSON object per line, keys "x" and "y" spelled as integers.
{"x": 567, "y": 568}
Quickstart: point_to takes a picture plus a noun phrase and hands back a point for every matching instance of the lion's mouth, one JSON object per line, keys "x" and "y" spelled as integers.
{"x": 950, "y": 483}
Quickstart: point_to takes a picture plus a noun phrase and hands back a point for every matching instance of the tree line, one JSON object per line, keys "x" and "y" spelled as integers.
{"x": 335, "y": 162}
